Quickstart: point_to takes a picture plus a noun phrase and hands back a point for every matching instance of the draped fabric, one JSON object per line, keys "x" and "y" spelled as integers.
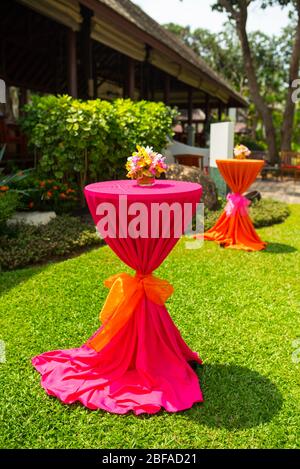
{"x": 137, "y": 360}
{"x": 235, "y": 229}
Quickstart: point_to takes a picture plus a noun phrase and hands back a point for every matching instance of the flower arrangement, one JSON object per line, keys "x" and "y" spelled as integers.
{"x": 145, "y": 165}
{"x": 241, "y": 152}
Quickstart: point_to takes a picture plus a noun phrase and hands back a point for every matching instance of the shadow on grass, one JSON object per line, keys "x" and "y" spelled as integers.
{"x": 279, "y": 248}
{"x": 11, "y": 279}
{"x": 235, "y": 398}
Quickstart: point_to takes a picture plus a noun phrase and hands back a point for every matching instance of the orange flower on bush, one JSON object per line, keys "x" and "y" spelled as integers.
{"x": 63, "y": 196}
{"x": 49, "y": 195}
{"x": 55, "y": 188}
{"x": 31, "y": 204}
{"x": 4, "y": 188}
{"x": 42, "y": 183}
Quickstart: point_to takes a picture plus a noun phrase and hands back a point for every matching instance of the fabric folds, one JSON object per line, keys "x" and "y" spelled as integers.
{"x": 137, "y": 360}
{"x": 234, "y": 229}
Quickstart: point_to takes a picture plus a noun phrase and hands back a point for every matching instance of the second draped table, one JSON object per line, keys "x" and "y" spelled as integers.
{"x": 137, "y": 360}
{"x": 234, "y": 228}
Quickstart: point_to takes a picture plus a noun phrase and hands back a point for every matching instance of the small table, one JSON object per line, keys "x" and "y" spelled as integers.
{"x": 137, "y": 360}
{"x": 234, "y": 228}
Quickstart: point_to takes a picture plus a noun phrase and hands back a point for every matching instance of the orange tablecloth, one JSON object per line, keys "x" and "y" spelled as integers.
{"x": 236, "y": 231}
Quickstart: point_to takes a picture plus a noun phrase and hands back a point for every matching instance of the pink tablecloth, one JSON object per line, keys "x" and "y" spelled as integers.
{"x": 145, "y": 366}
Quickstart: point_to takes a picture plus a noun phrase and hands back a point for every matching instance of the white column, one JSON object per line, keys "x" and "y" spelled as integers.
{"x": 2, "y": 92}
{"x": 221, "y": 142}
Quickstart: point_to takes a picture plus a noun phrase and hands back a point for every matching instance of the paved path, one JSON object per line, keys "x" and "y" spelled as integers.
{"x": 286, "y": 191}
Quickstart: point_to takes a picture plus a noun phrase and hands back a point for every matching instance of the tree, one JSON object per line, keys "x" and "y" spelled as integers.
{"x": 288, "y": 116}
{"x": 222, "y": 52}
{"x": 271, "y": 55}
{"x": 238, "y": 12}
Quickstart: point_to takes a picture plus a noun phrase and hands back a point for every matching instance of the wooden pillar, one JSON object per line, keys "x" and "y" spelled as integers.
{"x": 72, "y": 63}
{"x": 167, "y": 90}
{"x": 129, "y": 85}
{"x": 206, "y": 128}
{"x": 220, "y": 109}
{"x": 87, "y": 53}
{"x": 190, "y": 129}
{"x": 206, "y": 108}
{"x": 146, "y": 74}
{"x": 23, "y": 99}
{"x": 190, "y": 106}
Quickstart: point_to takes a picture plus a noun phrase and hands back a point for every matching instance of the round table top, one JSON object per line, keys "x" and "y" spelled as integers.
{"x": 163, "y": 188}
{"x": 239, "y": 174}
{"x": 235, "y": 160}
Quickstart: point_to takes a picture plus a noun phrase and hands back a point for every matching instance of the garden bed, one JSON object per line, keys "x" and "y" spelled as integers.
{"x": 62, "y": 237}
{"x": 66, "y": 236}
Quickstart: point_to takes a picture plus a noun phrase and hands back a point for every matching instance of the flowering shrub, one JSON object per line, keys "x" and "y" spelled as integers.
{"x": 145, "y": 162}
{"x": 49, "y": 194}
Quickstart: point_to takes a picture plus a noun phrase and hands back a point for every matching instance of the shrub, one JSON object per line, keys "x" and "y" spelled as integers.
{"x": 8, "y": 205}
{"x": 266, "y": 212}
{"x": 85, "y": 141}
{"x": 29, "y": 244}
{"x": 252, "y": 144}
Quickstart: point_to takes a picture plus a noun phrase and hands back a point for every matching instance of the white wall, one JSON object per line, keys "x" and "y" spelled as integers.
{"x": 221, "y": 142}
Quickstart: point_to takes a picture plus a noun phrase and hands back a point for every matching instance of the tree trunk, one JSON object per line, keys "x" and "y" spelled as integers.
{"x": 257, "y": 99}
{"x": 289, "y": 112}
{"x": 254, "y": 123}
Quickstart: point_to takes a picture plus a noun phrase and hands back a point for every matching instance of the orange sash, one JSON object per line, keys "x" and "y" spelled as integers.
{"x": 125, "y": 293}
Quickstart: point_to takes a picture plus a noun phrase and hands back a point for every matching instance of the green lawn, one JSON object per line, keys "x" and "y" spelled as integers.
{"x": 239, "y": 310}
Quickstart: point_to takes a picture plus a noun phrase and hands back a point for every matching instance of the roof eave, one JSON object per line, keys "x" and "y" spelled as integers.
{"x": 109, "y": 14}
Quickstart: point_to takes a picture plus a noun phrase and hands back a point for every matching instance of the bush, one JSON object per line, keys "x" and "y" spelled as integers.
{"x": 28, "y": 244}
{"x": 8, "y": 205}
{"x": 90, "y": 140}
{"x": 37, "y": 193}
{"x": 250, "y": 143}
{"x": 266, "y": 212}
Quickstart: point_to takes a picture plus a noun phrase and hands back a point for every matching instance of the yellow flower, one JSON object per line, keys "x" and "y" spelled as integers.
{"x": 241, "y": 152}
{"x": 160, "y": 170}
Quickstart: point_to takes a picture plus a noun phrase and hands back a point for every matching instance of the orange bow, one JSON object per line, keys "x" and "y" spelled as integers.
{"x": 125, "y": 294}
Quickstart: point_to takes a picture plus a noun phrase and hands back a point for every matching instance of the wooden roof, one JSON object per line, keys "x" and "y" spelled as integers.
{"x": 201, "y": 75}
{"x": 126, "y": 28}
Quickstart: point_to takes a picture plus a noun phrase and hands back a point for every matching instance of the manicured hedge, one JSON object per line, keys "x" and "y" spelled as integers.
{"x": 268, "y": 212}
{"x": 63, "y": 236}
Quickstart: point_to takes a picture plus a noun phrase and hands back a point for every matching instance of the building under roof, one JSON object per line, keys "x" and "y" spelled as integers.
{"x": 103, "y": 48}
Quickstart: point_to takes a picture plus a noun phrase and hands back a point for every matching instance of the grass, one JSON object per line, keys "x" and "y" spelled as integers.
{"x": 239, "y": 310}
